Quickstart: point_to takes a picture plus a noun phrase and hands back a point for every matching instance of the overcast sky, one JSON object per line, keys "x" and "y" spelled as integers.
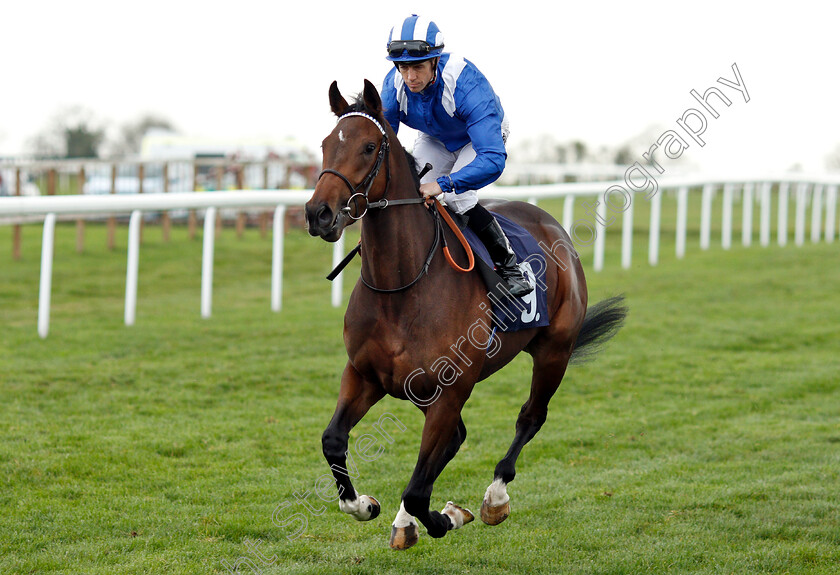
{"x": 600, "y": 72}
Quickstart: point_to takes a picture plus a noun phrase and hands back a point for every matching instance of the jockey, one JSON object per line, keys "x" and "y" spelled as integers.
{"x": 462, "y": 131}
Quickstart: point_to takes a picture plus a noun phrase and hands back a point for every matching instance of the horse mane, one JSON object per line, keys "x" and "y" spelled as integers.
{"x": 358, "y": 105}
{"x": 412, "y": 162}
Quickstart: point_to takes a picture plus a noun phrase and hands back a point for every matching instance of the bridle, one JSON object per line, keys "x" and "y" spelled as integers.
{"x": 434, "y": 209}
{"x": 367, "y": 182}
{"x": 365, "y": 185}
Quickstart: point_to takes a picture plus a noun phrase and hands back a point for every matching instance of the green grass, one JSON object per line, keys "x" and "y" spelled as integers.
{"x": 703, "y": 440}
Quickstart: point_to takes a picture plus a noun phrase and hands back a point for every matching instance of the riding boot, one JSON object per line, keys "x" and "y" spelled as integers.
{"x": 504, "y": 258}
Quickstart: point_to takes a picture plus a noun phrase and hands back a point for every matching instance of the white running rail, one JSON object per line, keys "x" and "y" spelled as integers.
{"x": 820, "y": 192}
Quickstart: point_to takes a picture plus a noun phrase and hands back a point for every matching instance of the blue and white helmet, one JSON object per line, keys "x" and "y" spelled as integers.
{"x": 414, "y": 39}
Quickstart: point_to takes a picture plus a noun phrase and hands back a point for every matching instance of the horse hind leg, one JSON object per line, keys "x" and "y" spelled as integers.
{"x": 546, "y": 378}
{"x": 404, "y": 530}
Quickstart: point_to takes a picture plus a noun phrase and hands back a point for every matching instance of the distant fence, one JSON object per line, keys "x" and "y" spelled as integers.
{"x": 90, "y": 175}
{"x": 820, "y": 194}
{"x": 102, "y": 177}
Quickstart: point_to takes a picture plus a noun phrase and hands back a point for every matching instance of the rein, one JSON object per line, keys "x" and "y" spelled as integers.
{"x": 458, "y": 234}
{"x": 438, "y": 211}
{"x": 435, "y": 207}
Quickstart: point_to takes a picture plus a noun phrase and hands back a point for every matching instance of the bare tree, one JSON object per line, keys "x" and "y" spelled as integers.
{"x": 131, "y": 134}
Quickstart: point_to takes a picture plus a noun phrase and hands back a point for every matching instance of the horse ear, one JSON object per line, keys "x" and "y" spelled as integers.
{"x": 337, "y": 102}
{"x": 372, "y": 100}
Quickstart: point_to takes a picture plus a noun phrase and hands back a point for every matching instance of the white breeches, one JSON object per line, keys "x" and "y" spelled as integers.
{"x": 428, "y": 149}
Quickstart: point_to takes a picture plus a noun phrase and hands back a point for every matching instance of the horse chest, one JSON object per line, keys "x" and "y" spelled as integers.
{"x": 421, "y": 353}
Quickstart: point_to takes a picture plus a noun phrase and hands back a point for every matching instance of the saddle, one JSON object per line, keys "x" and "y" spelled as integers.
{"x": 510, "y": 313}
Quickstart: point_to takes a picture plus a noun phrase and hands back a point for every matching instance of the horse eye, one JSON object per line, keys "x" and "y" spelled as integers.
{"x": 370, "y": 148}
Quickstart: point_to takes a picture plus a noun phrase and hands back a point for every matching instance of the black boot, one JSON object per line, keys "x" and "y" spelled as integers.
{"x": 504, "y": 258}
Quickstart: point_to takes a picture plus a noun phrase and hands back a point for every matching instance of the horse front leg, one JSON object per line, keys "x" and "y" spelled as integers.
{"x": 443, "y": 434}
{"x": 355, "y": 398}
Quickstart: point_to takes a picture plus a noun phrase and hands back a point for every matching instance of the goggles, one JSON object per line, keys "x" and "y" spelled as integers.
{"x": 415, "y": 48}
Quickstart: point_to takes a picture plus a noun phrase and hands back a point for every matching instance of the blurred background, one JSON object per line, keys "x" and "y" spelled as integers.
{"x": 586, "y": 85}
{"x": 703, "y": 441}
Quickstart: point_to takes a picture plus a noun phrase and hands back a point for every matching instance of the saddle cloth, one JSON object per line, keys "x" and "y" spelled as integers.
{"x": 511, "y": 313}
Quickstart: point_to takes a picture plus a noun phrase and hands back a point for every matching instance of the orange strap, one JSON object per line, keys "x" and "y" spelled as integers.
{"x": 457, "y": 231}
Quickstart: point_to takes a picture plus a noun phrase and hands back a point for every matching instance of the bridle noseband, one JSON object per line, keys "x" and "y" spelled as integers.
{"x": 367, "y": 182}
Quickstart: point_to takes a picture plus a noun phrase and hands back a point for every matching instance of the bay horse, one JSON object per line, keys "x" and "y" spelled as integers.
{"x": 414, "y": 327}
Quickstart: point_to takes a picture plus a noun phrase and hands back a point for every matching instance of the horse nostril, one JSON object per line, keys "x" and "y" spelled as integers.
{"x": 324, "y": 216}
{"x": 318, "y": 218}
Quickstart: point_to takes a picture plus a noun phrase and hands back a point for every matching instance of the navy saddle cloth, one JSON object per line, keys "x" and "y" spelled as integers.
{"x": 511, "y": 313}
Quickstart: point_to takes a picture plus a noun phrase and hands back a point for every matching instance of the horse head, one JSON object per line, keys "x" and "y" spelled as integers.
{"x": 355, "y": 153}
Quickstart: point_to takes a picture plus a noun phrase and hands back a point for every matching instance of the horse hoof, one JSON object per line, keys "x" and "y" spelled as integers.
{"x": 494, "y": 515}
{"x": 404, "y": 537}
{"x": 374, "y": 508}
{"x": 459, "y": 516}
{"x": 363, "y": 508}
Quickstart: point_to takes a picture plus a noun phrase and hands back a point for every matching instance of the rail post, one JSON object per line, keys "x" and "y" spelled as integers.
{"x": 165, "y": 222}
{"x": 627, "y": 236}
{"x": 207, "y": 262}
{"x": 338, "y": 282}
{"x": 112, "y": 221}
{"x": 682, "y": 220}
{"x": 80, "y": 223}
{"x": 51, "y": 182}
{"x": 45, "y": 288}
{"x": 220, "y": 173}
{"x": 132, "y": 266}
{"x": 655, "y": 222}
{"x": 706, "y": 216}
{"x": 747, "y": 215}
{"x": 191, "y": 218}
{"x": 264, "y": 213}
{"x": 782, "y": 225}
{"x": 830, "y": 213}
{"x": 16, "y": 253}
{"x": 141, "y": 175}
{"x": 277, "y": 258}
{"x": 764, "y": 232}
{"x": 240, "y": 184}
{"x": 801, "y": 198}
{"x": 816, "y": 213}
{"x": 600, "y": 236}
{"x": 726, "y": 221}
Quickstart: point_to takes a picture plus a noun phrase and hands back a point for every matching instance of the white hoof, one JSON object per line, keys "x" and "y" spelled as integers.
{"x": 362, "y": 508}
{"x": 404, "y": 537}
{"x": 459, "y": 516}
{"x": 496, "y": 505}
{"x": 404, "y": 533}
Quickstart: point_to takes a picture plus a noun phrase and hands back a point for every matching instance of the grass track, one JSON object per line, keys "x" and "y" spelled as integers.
{"x": 703, "y": 440}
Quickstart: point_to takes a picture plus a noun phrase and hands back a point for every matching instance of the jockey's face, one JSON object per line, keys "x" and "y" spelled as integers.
{"x": 417, "y": 75}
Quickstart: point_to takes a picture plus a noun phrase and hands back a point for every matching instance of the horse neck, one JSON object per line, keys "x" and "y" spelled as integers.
{"x": 396, "y": 240}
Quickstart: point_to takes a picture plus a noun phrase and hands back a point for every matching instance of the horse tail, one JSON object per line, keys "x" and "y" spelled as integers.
{"x": 602, "y": 322}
